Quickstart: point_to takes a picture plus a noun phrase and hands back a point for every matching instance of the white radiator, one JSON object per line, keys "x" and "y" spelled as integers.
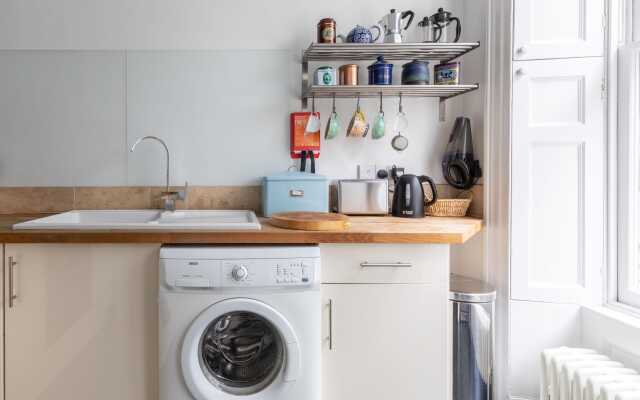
{"x": 582, "y": 374}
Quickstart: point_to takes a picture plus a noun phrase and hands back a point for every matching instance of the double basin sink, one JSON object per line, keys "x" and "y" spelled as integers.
{"x": 147, "y": 220}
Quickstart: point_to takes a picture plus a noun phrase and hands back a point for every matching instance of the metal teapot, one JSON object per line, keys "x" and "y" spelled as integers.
{"x": 392, "y": 24}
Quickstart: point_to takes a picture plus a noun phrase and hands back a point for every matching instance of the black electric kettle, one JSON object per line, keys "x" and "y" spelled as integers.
{"x": 409, "y": 198}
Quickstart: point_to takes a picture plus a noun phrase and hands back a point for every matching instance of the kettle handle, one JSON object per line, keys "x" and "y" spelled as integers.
{"x": 377, "y": 28}
{"x": 409, "y": 14}
{"x": 434, "y": 191}
{"x": 458, "y": 28}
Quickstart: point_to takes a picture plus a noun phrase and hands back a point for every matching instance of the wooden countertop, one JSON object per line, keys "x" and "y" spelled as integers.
{"x": 362, "y": 230}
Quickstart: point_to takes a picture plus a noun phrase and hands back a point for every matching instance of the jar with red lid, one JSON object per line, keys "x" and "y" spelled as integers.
{"x": 327, "y": 30}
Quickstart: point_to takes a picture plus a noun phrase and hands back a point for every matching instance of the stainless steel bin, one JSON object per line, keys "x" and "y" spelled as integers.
{"x": 472, "y": 302}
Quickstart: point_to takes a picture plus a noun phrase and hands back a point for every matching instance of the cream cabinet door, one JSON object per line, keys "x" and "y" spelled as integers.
{"x": 557, "y": 192}
{"x": 2, "y": 309}
{"x": 384, "y": 341}
{"x": 558, "y": 29}
{"x": 83, "y": 324}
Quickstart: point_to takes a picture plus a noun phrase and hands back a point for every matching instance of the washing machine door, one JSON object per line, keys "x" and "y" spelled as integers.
{"x": 239, "y": 347}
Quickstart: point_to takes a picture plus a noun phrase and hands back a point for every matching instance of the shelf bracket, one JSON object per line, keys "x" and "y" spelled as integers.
{"x": 442, "y": 109}
{"x": 304, "y": 103}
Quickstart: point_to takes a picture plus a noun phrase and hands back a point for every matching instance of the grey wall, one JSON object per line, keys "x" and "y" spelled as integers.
{"x": 81, "y": 79}
{"x": 68, "y": 118}
{"x": 187, "y": 24}
{"x": 216, "y": 80}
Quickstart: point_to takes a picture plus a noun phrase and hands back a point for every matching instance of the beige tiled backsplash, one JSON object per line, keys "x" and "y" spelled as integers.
{"x": 34, "y": 200}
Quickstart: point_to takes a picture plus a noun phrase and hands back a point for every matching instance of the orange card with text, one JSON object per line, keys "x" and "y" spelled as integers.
{"x": 301, "y": 140}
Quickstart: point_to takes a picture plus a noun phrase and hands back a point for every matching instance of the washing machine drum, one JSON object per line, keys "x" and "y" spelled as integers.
{"x": 241, "y": 352}
{"x": 239, "y": 347}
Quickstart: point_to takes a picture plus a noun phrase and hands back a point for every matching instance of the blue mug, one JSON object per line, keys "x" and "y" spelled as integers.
{"x": 361, "y": 34}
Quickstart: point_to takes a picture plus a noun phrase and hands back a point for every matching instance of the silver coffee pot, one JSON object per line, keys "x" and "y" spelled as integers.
{"x": 392, "y": 25}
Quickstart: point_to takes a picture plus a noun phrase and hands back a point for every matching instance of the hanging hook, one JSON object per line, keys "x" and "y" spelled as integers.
{"x": 400, "y": 103}
{"x": 313, "y": 104}
{"x": 334, "y": 102}
{"x": 381, "y": 103}
{"x": 358, "y": 103}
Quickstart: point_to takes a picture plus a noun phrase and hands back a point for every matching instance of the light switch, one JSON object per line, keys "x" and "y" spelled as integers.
{"x": 367, "y": 171}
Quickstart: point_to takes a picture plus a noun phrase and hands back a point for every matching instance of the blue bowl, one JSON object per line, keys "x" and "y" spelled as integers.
{"x": 415, "y": 73}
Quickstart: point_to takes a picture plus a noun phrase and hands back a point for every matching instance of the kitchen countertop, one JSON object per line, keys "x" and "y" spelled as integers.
{"x": 362, "y": 230}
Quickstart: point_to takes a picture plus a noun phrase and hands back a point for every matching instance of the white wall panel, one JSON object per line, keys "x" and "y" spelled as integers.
{"x": 558, "y": 29}
{"x": 553, "y": 261}
{"x": 548, "y": 108}
{"x": 62, "y": 118}
{"x": 557, "y": 181}
{"x": 223, "y": 115}
{"x": 534, "y": 327}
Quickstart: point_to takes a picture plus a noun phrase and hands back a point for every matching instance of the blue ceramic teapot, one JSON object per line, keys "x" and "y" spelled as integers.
{"x": 361, "y": 34}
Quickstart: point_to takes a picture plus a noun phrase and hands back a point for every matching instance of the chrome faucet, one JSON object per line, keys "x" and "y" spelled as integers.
{"x": 169, "y": 197}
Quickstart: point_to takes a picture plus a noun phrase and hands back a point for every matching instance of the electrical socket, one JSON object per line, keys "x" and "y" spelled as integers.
{"x": 367, "y": 171}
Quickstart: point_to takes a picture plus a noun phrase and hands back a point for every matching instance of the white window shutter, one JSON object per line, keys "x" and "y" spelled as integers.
{"x": 558, "y": 146}
{"x": 558, "y": 29}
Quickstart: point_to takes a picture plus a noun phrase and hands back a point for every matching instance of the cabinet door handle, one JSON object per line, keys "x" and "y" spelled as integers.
{"x": 12, "y": 295}
{"x": 330, "y": 324}
{"x": 367, "y": 264}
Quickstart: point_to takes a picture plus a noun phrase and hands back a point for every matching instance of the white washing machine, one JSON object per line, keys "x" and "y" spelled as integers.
{"x": 239, "y": 322}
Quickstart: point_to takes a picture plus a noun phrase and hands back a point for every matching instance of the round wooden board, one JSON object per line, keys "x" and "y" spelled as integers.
{"x": 311, "y": 221}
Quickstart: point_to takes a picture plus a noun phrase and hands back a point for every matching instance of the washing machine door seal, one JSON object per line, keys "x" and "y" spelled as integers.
{"x": 210, "y": 329}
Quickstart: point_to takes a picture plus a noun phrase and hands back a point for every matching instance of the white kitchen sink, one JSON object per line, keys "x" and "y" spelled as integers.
{"x": 147, "y": 219}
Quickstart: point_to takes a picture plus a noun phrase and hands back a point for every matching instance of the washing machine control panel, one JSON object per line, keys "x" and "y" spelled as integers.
{"x": 212, "y": 274}
{"x": 297, "y": 272}
{"x": 239, "y": 272}
{"x": 274, "y": 272}
{"x": 190, "y": 268}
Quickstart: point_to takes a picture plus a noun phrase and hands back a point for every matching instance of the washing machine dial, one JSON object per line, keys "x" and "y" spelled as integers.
{"x": 239, "y": 273}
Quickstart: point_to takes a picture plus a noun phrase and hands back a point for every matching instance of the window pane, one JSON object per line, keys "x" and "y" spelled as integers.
{"x": 629, "y": 175}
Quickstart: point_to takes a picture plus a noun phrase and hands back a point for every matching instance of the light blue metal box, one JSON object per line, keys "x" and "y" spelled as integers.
{"x": 294, "y": 191}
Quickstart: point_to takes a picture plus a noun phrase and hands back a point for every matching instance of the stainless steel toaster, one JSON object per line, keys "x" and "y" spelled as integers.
{"x": 363, "y": 196}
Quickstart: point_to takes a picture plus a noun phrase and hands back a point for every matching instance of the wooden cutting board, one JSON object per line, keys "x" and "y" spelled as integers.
{"x": 311, "y": 221}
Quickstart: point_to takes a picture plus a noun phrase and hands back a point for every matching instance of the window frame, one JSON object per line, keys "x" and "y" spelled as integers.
{"x": 622, "y": 17}
{"x": 628, "y": 171}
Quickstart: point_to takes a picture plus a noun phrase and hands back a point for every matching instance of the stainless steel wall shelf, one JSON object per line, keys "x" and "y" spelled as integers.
{"x": 441, "y": 91}
{"x": 442, "y": 52}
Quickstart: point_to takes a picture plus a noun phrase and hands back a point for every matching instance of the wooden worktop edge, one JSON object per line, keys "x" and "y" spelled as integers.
{"x": 268, "y": 235}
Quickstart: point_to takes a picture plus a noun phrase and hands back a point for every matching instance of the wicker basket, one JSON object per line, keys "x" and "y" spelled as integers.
{"x": 450, "y": 207}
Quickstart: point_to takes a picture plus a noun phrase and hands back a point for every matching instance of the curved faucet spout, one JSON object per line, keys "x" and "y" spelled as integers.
{"x": 166, "y": 149}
